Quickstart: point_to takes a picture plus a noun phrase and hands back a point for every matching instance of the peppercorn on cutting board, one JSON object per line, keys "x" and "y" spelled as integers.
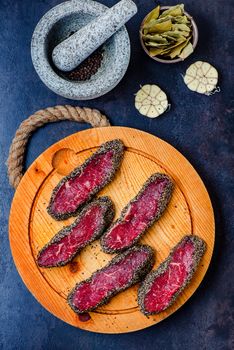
{"x": 31, "y": 226}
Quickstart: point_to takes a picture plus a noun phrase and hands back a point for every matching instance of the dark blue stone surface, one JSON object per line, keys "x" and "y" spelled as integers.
{"x": 200, "y": 127}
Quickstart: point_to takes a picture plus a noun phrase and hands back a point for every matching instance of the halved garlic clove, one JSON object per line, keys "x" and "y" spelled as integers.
{"x": 151, "y": 101}
{"x": 201, "y": 77}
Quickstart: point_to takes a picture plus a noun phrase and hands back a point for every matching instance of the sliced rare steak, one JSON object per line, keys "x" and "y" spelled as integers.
{"x": 88, "y": 226}
{"x": 139, "y": 214}
{"x": 76, "y": 189}
{"x": 161, "y": 287}
{"x": 120, "y": 273}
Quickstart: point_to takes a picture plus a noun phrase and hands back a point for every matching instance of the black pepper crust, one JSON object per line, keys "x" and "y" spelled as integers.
{"x": 163, "y": 202}
{"x": 107, "y": 218}
{"x": 138, "y": 275}
{"x": 118, "y": 147}
{"x": 200, "y": 248}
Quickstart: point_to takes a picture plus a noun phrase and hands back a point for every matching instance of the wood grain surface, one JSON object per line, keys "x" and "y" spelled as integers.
{"x": 31, "y": 227}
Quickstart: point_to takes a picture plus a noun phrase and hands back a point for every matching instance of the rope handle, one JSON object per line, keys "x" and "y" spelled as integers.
{"x": 49, "y": 115}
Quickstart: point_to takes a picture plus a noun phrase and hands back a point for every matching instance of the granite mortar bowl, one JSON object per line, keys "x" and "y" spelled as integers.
{"x": 54, "y": 27}
{"x": 177, "y": 59}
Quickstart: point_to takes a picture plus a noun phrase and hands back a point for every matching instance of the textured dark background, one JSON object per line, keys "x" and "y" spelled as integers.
{"x": 200, "y": 127}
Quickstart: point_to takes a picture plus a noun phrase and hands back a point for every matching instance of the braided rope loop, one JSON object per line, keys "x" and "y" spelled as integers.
{"x": 49, "y": 115}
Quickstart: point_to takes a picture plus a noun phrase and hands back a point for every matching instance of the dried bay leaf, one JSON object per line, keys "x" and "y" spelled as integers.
{"x": 156, "y": 37}
{"x": 171, "y": 39}
{"x": 174, "y": 11}
{"x": 175, "y": 34}
{"x": 155, "y": 51}
{"x": 154, "y": 44}
{"x": 153, "y": 14}
{"x": 177, "y": 50}
{"x": 181, "y": 27}
{"x": 181, "y": 20}
{"x": 186, "y": 51}
{"x": 167, "y": 50}
{"x": 184, "y": 33}
{"x": 159, "y": 27}
{"x": 164, "y": 19}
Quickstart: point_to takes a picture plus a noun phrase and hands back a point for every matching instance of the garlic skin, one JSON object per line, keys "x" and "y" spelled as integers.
{"x": 151, "y": 101}
{"x": 201, "y": 77}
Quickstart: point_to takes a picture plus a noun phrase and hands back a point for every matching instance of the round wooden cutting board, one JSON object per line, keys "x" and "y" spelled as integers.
{"x": 31, "y": 227}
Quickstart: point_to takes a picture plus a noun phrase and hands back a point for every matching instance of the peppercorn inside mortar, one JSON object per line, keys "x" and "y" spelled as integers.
{"x": 87, "y": 68}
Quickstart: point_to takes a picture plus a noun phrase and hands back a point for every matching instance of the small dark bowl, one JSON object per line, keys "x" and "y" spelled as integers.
{"x": 194, "y": 39}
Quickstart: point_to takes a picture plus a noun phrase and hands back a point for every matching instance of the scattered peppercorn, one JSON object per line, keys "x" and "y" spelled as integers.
{"x": 87, "y": 68}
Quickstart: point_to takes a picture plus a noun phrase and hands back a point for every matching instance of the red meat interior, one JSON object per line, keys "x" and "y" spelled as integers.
{"x": 166, "y": 285}
{"x": 68, "y": 245}
{"x": 75, "y": 191}
{"x": 137, "y": 217}
{"x": 114, "y": 277}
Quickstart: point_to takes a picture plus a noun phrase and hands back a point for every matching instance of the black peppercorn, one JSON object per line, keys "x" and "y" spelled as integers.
{"x": 87, "y": 68}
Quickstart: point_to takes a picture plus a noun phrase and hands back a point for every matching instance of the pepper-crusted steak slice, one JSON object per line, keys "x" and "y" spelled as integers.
{"x": 74, "y": 190}
{"x": 120, "y": 273}
{"x": 89, "y": 225}
{"x": 161, "y": 287}
{"x": 140, "y": 213}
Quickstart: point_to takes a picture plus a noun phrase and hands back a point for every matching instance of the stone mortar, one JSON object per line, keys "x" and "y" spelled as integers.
{"x": 54, "y": 27}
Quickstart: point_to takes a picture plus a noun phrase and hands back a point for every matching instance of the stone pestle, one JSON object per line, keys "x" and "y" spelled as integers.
{"x": 71, "y": 52}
